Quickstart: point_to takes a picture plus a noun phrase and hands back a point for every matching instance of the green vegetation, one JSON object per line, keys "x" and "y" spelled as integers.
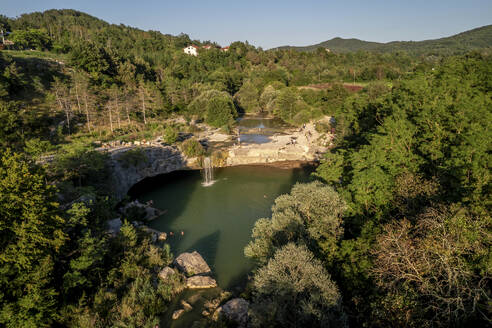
{"x": 192, "y": 148}
{"x": 478, "y": 38}
{"x": 394, "y": 231}
{"x": 411, "y": 178}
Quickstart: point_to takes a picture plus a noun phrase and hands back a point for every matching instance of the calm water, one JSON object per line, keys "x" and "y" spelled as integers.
{"x": 259, "y": 129}
{"x": 217, "y": 220}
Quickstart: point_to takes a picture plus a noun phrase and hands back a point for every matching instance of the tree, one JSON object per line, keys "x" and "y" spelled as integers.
{"x": 83, "y": 96}
{"x": 267, "y": 98}
{"x": 294, "y": 290}
{"x": 31, "y": 236}
{"x": 62, "y": 96}
{"x": 32, "y": 38}
{"x": 311, "y": 214}
{"x": 215, "y": 106}
{"x": 436, "y": 271}
{"x": 247, "y": 97}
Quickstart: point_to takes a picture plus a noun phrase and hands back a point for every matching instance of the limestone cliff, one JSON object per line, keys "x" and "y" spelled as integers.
{"x": 156, "y": 159}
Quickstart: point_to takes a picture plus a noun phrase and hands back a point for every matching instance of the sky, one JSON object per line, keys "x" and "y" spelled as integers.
{"x": 275, "y": 23}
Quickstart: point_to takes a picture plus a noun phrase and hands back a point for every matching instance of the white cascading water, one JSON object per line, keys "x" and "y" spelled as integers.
{"x": 208, "y": 172}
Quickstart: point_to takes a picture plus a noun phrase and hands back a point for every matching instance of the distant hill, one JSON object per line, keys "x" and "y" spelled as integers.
{"x": 477, "y": 38}
{"x": 68, "y": 27}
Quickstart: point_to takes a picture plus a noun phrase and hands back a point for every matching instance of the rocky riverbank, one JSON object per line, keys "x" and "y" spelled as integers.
{"x": 304, "y": 144}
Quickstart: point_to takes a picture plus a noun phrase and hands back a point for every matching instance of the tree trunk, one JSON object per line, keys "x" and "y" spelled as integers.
{"x": 118, "y": 111}
{"x": 110, "y": 118}
{"x": 143, "y": 106}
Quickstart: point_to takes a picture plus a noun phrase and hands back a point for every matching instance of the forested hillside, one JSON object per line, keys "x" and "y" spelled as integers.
{"x": 478, "y": 38}
{"x": 393, "y": 231}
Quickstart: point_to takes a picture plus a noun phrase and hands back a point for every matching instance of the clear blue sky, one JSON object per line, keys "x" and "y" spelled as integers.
{"x": 275, "y": 23}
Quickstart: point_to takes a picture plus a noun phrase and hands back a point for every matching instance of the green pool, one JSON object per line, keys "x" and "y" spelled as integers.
{"x": 217, "y": 220}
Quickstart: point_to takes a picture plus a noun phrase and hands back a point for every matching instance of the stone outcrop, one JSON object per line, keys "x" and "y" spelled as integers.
{"x": 192, "y": 264}
{"x": 236, "y": 310}
{"x": 156, "y": 234}
{"x": 166, "y": 273}
{"x": 198, "y": 282}
{"x": 156, "y": 160}
{"x": 178, "y": 313}
{"x": 114, "y": 226}
{"x": 149, "y": 211}
{"x": 186, "y": 306}
{"x": 305, "y": 144}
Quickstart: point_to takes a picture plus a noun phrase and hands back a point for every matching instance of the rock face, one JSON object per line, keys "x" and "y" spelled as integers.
{"x": 186, "y": 306}
{"x": 178, "y": 313}
{"x": 197, "y": 282}
{"x": 192, "y": 264}
{"x": 165, "y": 273}
{"x": 155, "y": 160}
{"x": 305, "y": 144}
{"x": 150, "y": 212}
{"x": 237, "y": 310}
{"x": 114, "y": 226}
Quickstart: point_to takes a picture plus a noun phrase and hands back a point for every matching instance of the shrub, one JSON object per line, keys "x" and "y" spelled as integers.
{"x": 192, "y": 148}
{"x": 294, "y": 290}
{"x": 215, "y": 106}
{"x": 310, "y": 214}
{"x": 170, "y": 135}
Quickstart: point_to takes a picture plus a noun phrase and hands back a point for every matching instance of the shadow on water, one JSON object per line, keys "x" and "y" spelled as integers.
{"x": 179, "y": 188}
{"x": 207, "y": 247}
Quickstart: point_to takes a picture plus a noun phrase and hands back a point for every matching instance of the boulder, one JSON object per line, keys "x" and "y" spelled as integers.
{"x": 192, "y": 264}
{"x": 178, "y": 313}
{"x": 114, "y": 226}
{"x": 166, "y": 273}
{"x": 217, "y": 314}
{"x": 186, "y": 306}
{"x": 197, "y": 282}
{"x": 237, "y": 310}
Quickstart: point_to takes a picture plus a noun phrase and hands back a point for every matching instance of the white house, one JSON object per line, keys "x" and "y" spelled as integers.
{"x": 191, "y": 50}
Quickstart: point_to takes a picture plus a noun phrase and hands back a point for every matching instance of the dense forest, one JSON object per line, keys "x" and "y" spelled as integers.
{"x": 394, "y": 229}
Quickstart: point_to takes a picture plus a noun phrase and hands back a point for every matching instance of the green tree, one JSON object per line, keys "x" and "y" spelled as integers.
{"x": 247, "y": 97}
{"x": 215, "y": 106}
{"x": 294, "y": 290}
{"x": 31, "y": 236}
{"x": 32, "y": 38}
{"x": 311, "y": 214}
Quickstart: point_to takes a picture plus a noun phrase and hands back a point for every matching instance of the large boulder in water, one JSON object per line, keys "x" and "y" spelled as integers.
{"x": 237, "y": 310}
{"x": 197, "y": 282}
{"x": 192, "y": 264}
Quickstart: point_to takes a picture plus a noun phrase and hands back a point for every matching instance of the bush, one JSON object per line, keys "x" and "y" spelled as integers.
{"x": 310, "y": 214}
{"x": 192, "y": 148}
{"x": 170, "y": 135}
{"x": 294, "y": 290}
{"x": 215, "y": 106}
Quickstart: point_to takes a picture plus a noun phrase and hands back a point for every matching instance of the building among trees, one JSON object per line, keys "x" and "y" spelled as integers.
{"x": 191, "y": 50}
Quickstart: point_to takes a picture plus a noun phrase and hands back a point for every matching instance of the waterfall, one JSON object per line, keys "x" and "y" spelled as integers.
{"x": 208, "y": 172}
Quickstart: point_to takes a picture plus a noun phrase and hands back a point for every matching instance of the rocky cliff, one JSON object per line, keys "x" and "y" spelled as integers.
{"x": 151, "y": 160}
